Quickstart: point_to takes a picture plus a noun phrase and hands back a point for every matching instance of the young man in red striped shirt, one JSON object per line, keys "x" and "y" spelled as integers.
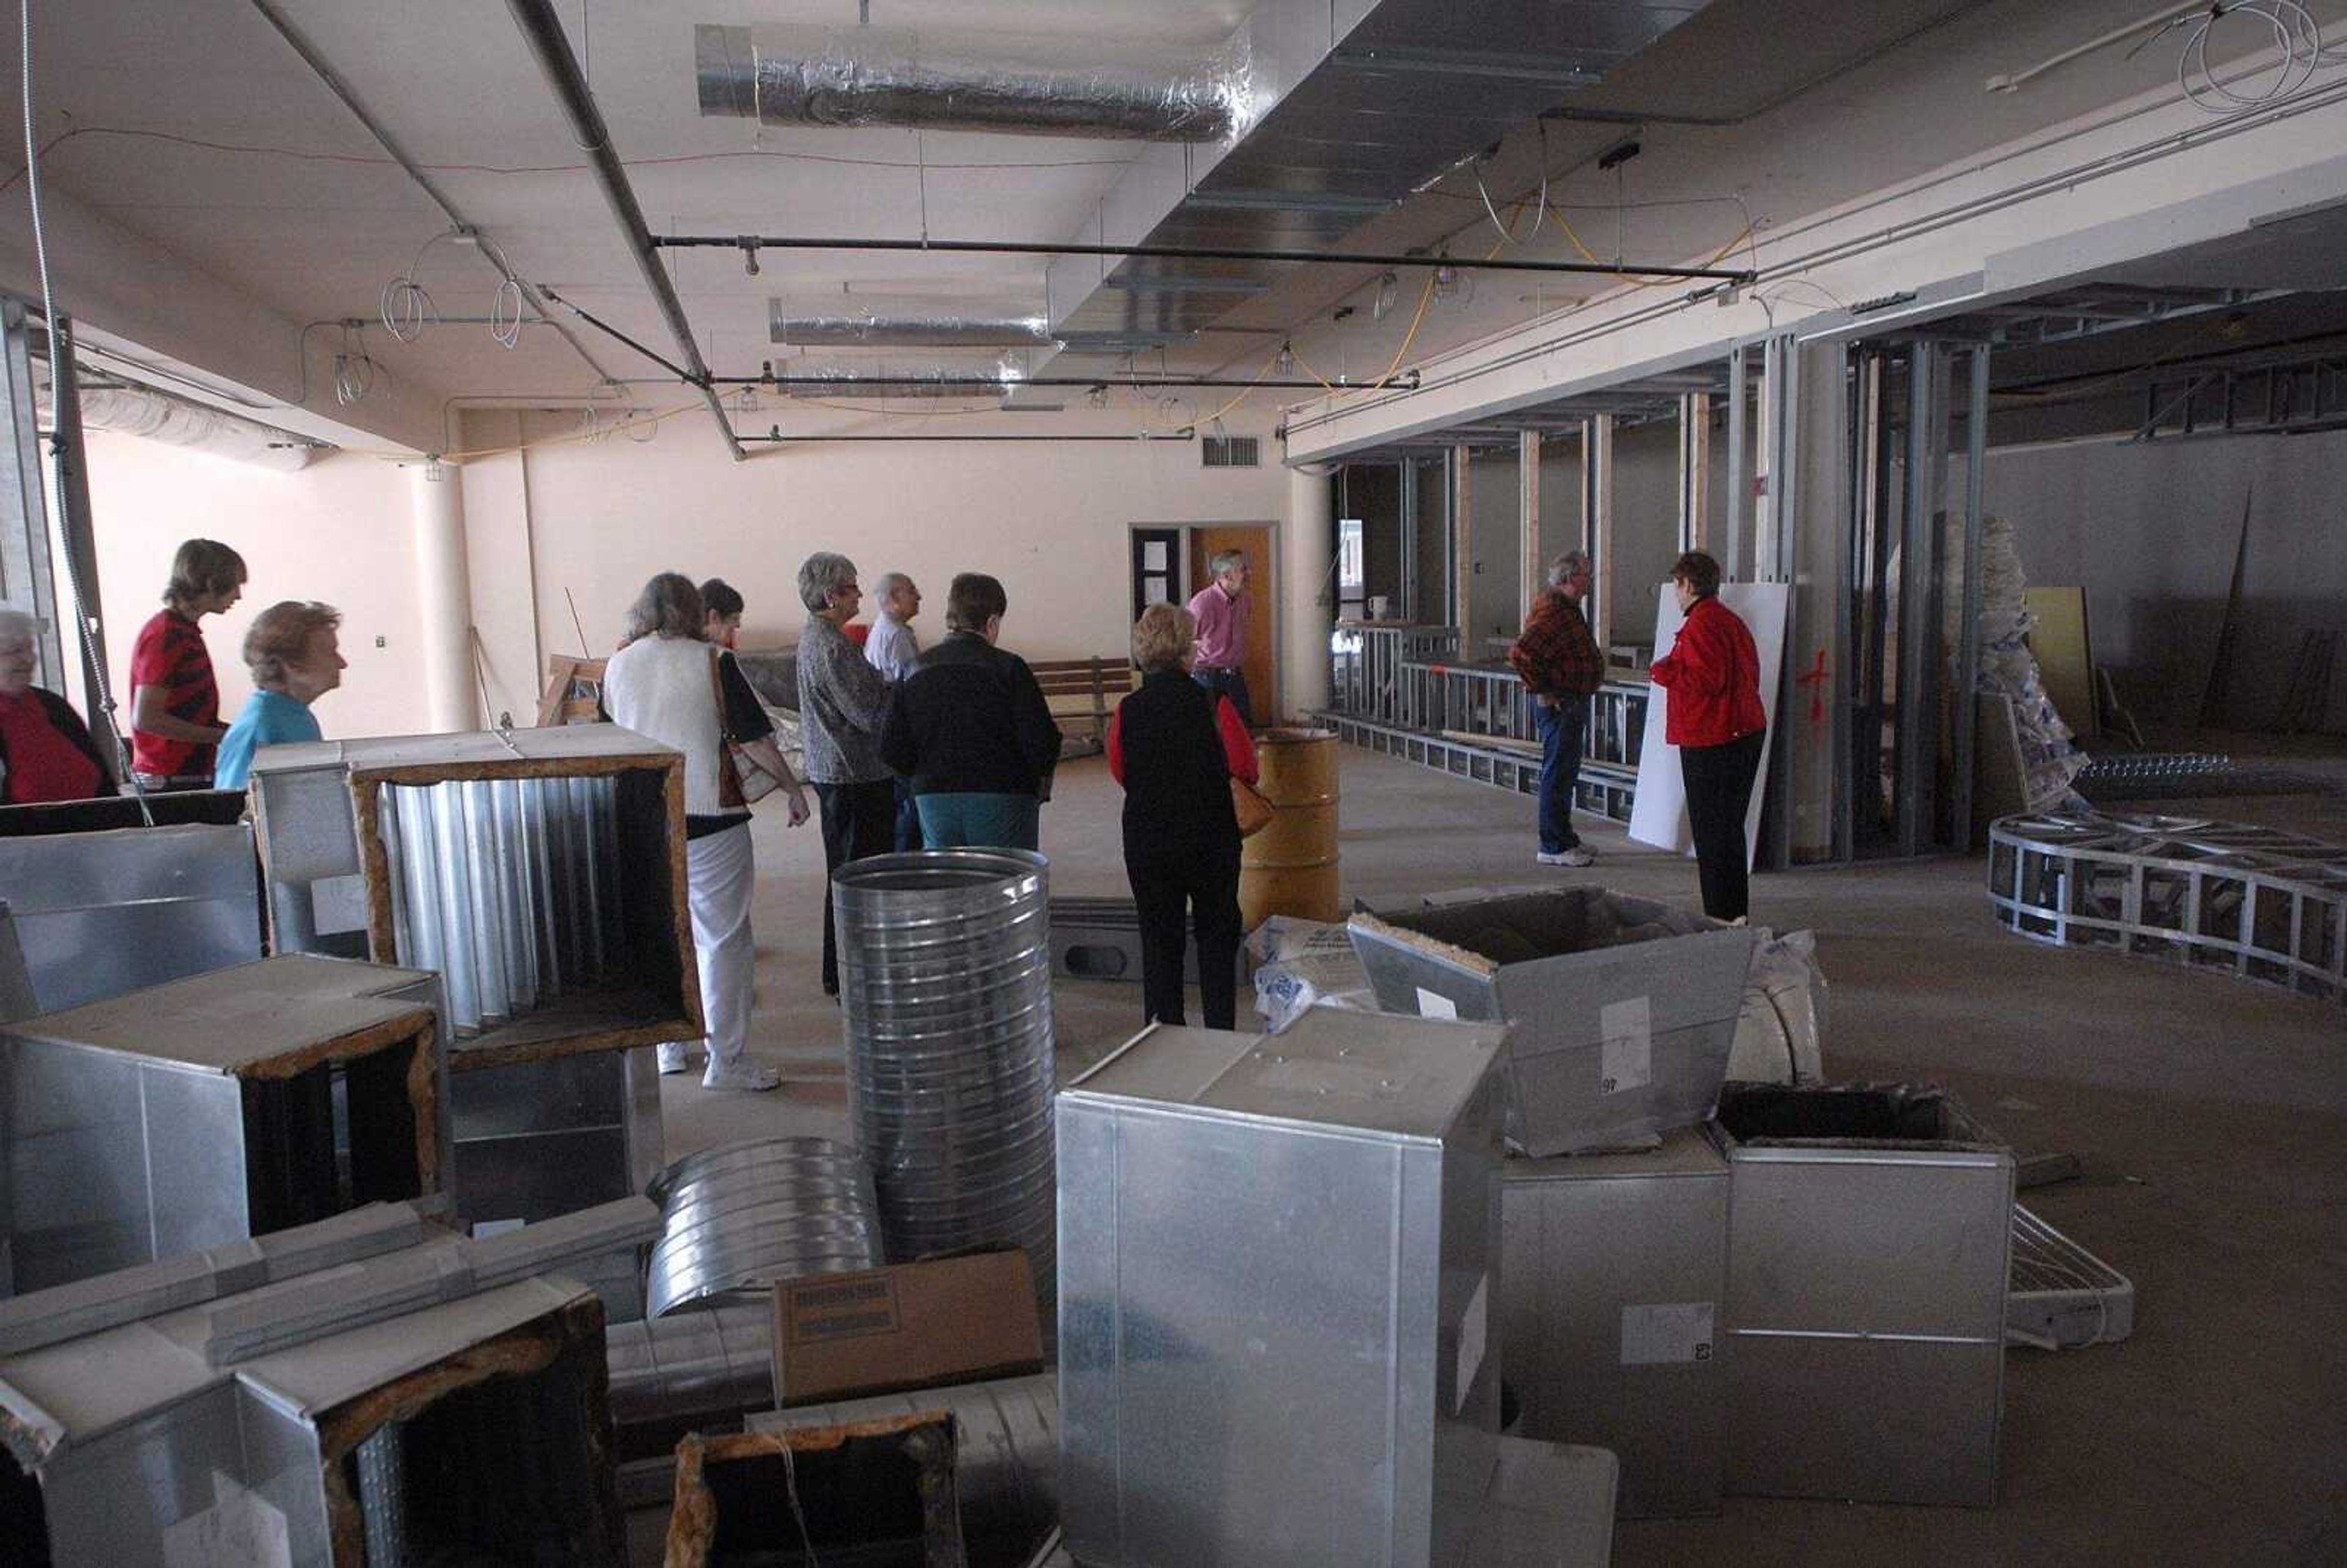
{"x": 175, "y": 728}
{"x": 1562, "y": 666}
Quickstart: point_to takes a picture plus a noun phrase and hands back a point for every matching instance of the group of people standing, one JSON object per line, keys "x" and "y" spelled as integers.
{"x": 947, "y": 747}
{"x": 177, "y": 739}
{"x": 1714, "y": 717}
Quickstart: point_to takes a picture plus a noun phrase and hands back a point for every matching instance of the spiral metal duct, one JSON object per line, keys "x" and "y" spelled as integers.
{"x": 799, "y": 75}
{"x": 509, "y": 887}
{"x": 946, "y": 985}
{"x": 742, "y": 1217}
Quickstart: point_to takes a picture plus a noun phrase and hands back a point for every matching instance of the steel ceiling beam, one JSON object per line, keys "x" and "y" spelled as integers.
{"x": 542, "y": 29}
{"x": 755, "y": 242}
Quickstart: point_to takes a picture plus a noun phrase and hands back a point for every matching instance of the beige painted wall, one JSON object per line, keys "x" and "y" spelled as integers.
{"x": 337, "y": 531}
{"x": 597, "y": 519}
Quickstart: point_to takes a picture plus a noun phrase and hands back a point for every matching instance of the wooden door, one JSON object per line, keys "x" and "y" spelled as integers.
{"x": 1254, "y": 538}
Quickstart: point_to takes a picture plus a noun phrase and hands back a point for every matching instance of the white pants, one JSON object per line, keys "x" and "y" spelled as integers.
{"x": 720, "y": 873}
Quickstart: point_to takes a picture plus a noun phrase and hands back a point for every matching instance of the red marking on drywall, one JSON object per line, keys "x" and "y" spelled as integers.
{"x": 1816, "y": 681}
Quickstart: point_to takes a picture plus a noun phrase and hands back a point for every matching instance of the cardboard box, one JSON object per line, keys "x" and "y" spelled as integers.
{"x": 916, "y": 1325}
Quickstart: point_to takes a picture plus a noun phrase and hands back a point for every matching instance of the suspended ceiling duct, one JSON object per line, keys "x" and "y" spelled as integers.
{"x": 1353, "y": 106}
{"x": 156, "y": 417}
{"x": 799, "y": 75}
{"x": 906, "y": 332}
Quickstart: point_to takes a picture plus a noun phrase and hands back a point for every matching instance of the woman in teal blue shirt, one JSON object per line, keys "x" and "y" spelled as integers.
{"x": 295, "y": 658}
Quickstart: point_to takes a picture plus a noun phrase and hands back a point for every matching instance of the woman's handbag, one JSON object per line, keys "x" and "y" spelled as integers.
{"x": 1247, "y": 803}
{"x": 741, "y": 781}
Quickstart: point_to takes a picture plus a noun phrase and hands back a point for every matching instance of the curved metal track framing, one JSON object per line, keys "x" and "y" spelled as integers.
{"x": 2264, "y": 904}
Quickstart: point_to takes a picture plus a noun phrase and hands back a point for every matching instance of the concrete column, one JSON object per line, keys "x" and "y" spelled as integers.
{"x": 1308, "y": 593}
{"x": 444, "y": 595}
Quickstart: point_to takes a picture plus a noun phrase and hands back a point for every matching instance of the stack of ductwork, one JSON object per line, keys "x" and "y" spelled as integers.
{"x": 946, "y": 983}
{"x": 739, "y": 1219}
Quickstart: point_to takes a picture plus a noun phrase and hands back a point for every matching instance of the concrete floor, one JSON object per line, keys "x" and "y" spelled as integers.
{"x": 2210, "y": 1114}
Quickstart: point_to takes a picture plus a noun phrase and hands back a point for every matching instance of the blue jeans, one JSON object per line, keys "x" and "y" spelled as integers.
{"x": 908, "y": 817}
{"x": 1231, "y": 683}
{"x": 976, "y": 821}
{"x": 1561, "y": 732}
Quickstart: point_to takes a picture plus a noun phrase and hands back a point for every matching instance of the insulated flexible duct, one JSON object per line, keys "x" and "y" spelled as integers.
{"x": 153, "y": 416}
{"x": 909, "y": 331}
{"x": 801, "y": 76}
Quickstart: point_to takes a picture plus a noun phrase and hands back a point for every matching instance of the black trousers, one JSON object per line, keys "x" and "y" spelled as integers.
{"x": 1718, "y": 781}
{"x": 1168, "y": 885}
{"x": 858, "y": 820}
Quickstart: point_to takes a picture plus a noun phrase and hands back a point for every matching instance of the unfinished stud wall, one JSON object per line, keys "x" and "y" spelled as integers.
{"x": 598, "y": 519}
{"x": 2149, "y": 529}
{"x": 339, "y": 530}
{"x": 1499, "y": 546}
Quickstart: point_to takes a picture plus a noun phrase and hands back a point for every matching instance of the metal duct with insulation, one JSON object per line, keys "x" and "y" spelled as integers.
{"x": 177, "y": 422}
{"x": 800, "y": 75}
{"x": 908, "y": 331}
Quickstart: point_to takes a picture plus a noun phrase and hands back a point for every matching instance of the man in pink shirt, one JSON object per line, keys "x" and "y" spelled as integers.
{"x": 1221, "y": 610}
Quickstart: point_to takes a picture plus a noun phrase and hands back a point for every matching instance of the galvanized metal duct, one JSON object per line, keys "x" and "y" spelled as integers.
{"x": 1034, "y": 86}
{"x": 946, "y": 985}
{"x": 694, "y": 1365}
{"x": 891, "y": 330}
{"x": 509, "y": 887}
{"x": 741, "y": 1218}
{"x": 1006, "y": 1452}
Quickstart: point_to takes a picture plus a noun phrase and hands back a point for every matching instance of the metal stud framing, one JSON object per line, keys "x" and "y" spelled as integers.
{"x": 2264, "y": 904}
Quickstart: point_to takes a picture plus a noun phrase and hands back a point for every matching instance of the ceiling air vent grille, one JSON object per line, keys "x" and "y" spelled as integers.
{"x": 1231, "y": 451}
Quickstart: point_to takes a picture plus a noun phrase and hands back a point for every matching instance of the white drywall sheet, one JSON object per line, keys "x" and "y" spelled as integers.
{"x": 1658, "y": 814}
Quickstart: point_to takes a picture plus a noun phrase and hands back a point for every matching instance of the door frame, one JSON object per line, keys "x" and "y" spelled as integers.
{"x": 1273, "y": 533}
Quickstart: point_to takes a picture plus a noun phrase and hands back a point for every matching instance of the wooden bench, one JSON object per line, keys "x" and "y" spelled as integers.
{"x": 1081, "y": 693}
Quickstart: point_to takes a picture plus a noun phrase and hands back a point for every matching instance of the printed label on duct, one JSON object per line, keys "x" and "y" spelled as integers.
{"x": 1474, "y": 1329}
{"x": 238, "y": 1531}
{"x": 1667, "y": 1333}
{"x": 1626, "y": 1058}
{"x": 1432, "y": 1006}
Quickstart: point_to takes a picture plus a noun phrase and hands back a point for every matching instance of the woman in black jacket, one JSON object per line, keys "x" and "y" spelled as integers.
{"x": 1175, "y": 747}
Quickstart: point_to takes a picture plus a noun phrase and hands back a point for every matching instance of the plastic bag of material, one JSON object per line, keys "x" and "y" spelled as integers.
{"x": 1779, "y": 1033}
{"x": 1298, "y": 964}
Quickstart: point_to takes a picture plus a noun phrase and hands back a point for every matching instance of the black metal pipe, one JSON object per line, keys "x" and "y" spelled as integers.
{"x": 878, "y": 386}
{"x": 1186, "y": 434}
{"x": 543, "y": 30}
{"x": 1187, "y": 253}
{"x": 600, "y": 325}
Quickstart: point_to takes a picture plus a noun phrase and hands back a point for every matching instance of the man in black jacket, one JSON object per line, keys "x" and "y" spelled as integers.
{"x": 969, "y": 726}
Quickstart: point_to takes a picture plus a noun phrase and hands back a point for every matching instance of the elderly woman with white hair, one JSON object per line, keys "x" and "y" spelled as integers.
{"x": 842, "y": 705}
{"x": 46, "y": 750}
{"x": 671, "y": 685}
{"x": 293, "y": 652}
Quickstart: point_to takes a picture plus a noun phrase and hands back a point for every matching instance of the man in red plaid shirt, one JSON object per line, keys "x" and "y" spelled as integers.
{"x": 1562, "y": 666}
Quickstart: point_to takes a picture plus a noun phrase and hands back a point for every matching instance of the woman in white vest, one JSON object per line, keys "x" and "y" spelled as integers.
{"x": 669, "y": 684}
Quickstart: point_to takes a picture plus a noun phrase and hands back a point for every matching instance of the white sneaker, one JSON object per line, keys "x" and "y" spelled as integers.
{"x": 1579, "y": 855}
{"x": 742, "y": 1076}
{"x": 672, "y": 1057}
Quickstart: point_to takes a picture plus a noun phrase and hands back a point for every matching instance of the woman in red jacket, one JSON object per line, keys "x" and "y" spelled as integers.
{"x": 1715, "y": 719}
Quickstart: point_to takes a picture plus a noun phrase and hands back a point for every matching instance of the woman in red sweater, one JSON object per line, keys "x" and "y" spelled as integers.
{"x": 1714, "y": 717}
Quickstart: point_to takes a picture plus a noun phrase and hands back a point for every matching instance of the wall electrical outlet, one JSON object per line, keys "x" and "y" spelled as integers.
{"x": 383, "y": 643}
